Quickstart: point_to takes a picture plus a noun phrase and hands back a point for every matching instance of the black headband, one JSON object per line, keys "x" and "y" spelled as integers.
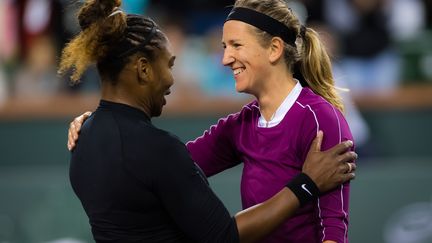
{"x": 264, "y": 23}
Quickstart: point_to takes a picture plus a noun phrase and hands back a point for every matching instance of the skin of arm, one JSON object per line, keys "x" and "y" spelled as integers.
{"x": 250, "y": 222}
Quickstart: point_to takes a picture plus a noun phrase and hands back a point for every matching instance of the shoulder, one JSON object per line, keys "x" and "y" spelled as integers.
{"x": 160, "y": 141}
{"x": 315, "y": 105}
{"x": 155, "y": 150}
{"x": 246, "y": 114}
{"x": 318, "y": 112}
{"x": 140, "y": 139}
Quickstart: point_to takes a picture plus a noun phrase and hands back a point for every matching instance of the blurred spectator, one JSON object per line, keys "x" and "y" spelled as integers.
{"x": 39, "y": 18}
{"x": 368, "y": 56}
{"x": 8, "y": 43}
{"x": 365, "y": 30}
{"x": 3, "y": 86}
{"x": 359, "y": 128}
{"x": 428, "y": 10}
{"x": 38, "y": 77}
{"x": 407, "y": 18}
{"x": 8, "y": 30}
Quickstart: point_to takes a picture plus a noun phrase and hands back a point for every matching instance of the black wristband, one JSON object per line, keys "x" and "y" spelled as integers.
{"x": 304, "y": 188}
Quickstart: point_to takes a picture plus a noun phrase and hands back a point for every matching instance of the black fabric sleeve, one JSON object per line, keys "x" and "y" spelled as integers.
{"x": 189, "y": 200}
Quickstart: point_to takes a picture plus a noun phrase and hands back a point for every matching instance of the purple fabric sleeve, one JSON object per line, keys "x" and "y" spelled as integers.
{"x": 332, "y": 207}
{"x": 214, "y": 150}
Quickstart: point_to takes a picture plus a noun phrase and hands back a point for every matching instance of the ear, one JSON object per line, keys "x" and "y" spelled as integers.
{"x": 276, "y": 49}
{"x": 143, "y": 70}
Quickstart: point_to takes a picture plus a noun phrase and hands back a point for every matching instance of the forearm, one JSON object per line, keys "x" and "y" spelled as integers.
{"x": 256, "y": 222}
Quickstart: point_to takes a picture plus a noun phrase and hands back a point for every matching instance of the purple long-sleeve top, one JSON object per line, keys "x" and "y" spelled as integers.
{"x": 273, "y": 156}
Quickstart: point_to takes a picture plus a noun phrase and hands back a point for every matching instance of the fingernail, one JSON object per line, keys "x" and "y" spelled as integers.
{"x": 349, "y": 143}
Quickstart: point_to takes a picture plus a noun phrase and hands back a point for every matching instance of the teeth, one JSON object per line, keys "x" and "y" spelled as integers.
{"x": 238, "y": 70}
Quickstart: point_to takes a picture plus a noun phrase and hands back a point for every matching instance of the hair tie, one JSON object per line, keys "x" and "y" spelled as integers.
{"x": 116, "y": 10}
{"x": 303, "y": 31}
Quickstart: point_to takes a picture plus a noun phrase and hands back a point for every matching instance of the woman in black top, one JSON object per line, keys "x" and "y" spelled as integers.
{"x": 136, "y": 182}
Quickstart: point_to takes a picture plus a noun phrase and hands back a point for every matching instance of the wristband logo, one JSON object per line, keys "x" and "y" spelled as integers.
{"x": 303, "y": 186}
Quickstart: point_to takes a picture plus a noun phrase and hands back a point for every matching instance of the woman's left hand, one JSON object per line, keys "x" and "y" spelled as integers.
{"x": 74, "y": 129}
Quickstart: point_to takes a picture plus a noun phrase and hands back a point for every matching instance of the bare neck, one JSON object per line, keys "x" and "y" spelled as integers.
{"x": 273, "y": 94}
{"x": 122, "y": 94}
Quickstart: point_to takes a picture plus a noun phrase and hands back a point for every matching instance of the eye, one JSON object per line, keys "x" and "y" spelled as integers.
{"x": 236, "y": 45}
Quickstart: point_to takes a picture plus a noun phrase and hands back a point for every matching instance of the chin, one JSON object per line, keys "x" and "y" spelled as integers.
{"x": 240, "y": 89}
{"x": 156, "y": 112}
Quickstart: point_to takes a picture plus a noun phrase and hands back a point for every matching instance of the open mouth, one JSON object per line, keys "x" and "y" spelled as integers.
{"x": 165, "y": 94}
{"x": 237, "y": 71}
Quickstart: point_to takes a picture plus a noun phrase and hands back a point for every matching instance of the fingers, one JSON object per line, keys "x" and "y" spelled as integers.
{"x": 75, "y": 128}
{"x": 347, "y": 168}
{"x": 86, "y": 114}
{"x": 316, "y": 143}
{"x": 351, "y": 167}
{"x": 347, "y": 177}
{"x": 346, "y": 172}
{"x": 342, "y": 147}
{"x": 348, "y": 156}
{"x": 76, "y": 124}
{"x": 70, "y": 142}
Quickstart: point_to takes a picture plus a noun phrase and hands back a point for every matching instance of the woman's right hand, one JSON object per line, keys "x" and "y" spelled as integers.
{"x": 74, "y": 129}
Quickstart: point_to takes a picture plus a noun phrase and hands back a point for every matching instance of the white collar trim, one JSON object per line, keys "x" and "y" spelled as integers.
{"x": 282, "y": 109}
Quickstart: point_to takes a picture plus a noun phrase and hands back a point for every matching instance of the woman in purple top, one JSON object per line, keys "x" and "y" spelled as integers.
{"x": 265, "y": 46}
{"x": 264, "y": 42}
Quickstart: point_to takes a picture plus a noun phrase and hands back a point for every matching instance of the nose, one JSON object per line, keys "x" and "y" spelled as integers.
{"x": 227, "y": 59}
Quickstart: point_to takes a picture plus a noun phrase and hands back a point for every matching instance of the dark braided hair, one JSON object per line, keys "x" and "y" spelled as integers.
{"x": 109, "y": 40}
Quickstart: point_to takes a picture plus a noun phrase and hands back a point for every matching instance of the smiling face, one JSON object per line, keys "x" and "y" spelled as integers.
{"x": 162, "y": 80}
{"x": 247, "y": 58}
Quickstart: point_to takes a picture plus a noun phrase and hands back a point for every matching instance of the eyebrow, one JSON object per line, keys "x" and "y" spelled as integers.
{"x": 231, "y": 41}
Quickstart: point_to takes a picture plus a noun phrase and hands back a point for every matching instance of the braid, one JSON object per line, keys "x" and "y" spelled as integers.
{"x": 141, "y": 35}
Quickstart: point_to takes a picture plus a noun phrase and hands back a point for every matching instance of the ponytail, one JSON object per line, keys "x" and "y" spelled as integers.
{"x": 316, "y": 68}
{"x": 99, "y": 31}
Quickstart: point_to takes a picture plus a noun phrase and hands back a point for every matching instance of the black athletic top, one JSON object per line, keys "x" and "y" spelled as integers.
{"x": 137, "y": 183}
